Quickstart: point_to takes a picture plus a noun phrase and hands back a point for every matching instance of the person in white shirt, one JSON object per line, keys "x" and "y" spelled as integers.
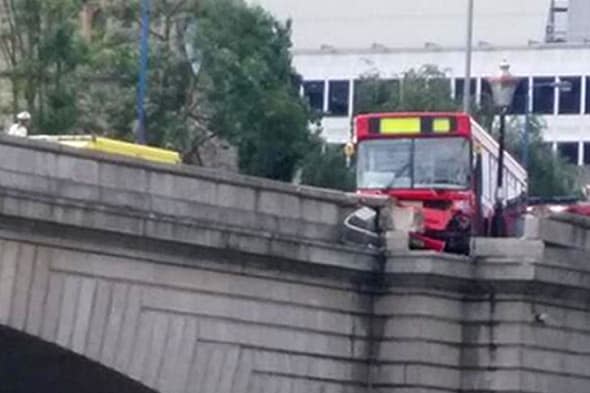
{"x": 21, "y": 127}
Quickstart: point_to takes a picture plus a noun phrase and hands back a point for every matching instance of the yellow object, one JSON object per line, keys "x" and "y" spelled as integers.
{"x": 441, "y": 125}
{"x": 112, "y": 146}
{"x": 400, "y": 125}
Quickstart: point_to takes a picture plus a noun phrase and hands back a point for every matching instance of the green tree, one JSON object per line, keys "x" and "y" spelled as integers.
{"x": 424, "y": 89}
{"x": 110, "y": 100}
{"x": 42, "y": 49}
{"x": 248, "y": 85}
{"x": 325, "y": 166}
{"x": 549, "y": 174}
{"x": 245, "y": 92}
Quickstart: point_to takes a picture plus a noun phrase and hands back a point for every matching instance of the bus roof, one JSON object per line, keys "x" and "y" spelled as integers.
{"x": 406, "y": 114}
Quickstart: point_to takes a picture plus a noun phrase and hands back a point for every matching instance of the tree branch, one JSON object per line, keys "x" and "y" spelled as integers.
{"x": 178, "y": 5}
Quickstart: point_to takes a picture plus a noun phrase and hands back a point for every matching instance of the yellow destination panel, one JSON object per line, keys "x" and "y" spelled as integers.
{"x": 400, "y": 125}
{"x": 441, "y": 125}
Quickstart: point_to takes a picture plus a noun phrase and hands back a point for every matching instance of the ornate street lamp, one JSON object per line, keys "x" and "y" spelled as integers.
{"x": 503, "y": 87}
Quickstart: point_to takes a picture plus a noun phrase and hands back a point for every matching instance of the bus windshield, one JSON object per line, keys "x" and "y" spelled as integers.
{"x": 440, "y": 163}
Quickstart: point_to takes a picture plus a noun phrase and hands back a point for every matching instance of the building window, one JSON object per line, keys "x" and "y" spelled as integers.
{"x": 314, "y": 93}
{"x": 486, "y": 97}
{"x": 459, "y": 83}
{"x": 520, "y": 97}
{"x": 339, "y": 92}
{"x": 568, "y": 151}
{"x": 586, "y": 153}
{"x": 569, "y": 102}
{"x": 543, "y": 95}
{"x": 374, "y": 95}
{"x": 587, "y": 98}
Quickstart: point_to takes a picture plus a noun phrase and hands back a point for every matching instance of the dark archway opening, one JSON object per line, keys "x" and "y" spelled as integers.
{"x": 30, "y": 365}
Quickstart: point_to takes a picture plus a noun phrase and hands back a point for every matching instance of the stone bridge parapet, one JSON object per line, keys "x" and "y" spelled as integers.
{"x": 194, "y": 281}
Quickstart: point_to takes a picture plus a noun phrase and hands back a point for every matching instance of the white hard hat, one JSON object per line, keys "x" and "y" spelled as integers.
{"x": 24, "y": 116}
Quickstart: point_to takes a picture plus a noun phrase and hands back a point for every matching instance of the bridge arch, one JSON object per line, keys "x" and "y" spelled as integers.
{"x": 29, "y": 364}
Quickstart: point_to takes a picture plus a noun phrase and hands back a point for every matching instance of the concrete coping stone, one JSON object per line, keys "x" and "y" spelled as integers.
{"x": 327, "y": 195}
{"x": 570, "y": 218}
{"x": 507, "y": 247}
{"x": 407, "y": 255}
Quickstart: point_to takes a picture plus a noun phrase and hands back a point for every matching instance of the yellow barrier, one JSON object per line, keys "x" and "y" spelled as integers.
{"x": 113, "y": 146}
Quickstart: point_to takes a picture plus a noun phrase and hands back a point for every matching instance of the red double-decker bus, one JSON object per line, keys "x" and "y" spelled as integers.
{"x": 445, "y": 164}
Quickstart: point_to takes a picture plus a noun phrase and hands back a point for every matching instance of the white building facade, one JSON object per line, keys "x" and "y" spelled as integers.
{"x": 337, "y": 42}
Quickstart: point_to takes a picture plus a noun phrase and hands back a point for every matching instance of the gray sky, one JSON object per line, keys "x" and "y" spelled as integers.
{"x": 409, "y": 23}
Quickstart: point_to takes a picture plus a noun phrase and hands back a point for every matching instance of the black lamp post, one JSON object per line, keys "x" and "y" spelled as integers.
{"x": 503, "y": 87}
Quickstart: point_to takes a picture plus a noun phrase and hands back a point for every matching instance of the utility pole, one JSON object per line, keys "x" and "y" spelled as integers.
{"x": 143, "y": 69}
{"x": 468, "y": 49}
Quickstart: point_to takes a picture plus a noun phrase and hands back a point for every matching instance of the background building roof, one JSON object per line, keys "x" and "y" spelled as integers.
{"x": 355, "y": 24}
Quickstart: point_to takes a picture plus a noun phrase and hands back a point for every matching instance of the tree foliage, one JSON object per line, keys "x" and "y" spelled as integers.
{"x": 110, "y": 100}
{"x": 42, "y": 48}
{"x": 246, "y": 92}
{"x": 248, "y": 86}
{"x": 422, "y": 89}
{"x": 549, "y": 174}
{"x": 325, "y": 166}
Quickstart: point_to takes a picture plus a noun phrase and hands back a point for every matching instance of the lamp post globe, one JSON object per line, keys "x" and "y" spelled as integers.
{"x": 503, "y": 87}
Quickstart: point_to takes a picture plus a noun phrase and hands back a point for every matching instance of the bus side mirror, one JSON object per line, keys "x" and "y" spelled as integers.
{"x": 348, "y": 152}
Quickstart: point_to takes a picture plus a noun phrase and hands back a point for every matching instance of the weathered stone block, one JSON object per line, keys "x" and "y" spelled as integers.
{"x": 274, "y": 203}
{"x": 24, "y": 181}
{"x": 428, "y": 305}
{"x": 432, "y": 376}
{"x": 413, "y": 351}
{"x": 397, "y": 241}
{"x": 76, "y": 169}
{"x": 492, "y": 381}
{"x": 318, "y": 211}
{"x": 414, "y": 327}
{"x": 531, "y": 227}
{"x": 568, "y": 231}
{"x": 123, "y": 176}
{"x": 509, "y": 248}
{"x": 236, "y": 197}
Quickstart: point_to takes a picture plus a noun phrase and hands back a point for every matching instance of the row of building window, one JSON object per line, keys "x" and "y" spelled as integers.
{"x": 334, "y": 97}
{"x": 574, "y": 152}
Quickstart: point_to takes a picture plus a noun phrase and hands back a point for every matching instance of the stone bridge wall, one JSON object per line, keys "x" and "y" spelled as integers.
{"x": 126, "y": 189}
{"x": 130, "y": 265}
